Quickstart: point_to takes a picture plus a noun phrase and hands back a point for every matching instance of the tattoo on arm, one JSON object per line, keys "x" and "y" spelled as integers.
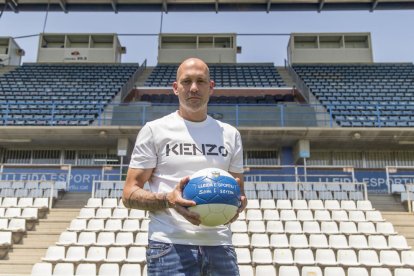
{"x": 146, "y": 200}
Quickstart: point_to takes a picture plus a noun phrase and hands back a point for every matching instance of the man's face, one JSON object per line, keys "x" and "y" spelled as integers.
{"x": 193, "y": 86}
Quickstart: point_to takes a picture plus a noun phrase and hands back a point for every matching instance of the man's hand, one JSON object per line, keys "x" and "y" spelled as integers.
{"x": 176, "y": 201}
{"x": 243, "y": 200}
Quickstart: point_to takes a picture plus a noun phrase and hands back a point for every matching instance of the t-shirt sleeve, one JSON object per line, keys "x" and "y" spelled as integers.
{"x": 144, "y": 154}
{"x": 236, "y": 164}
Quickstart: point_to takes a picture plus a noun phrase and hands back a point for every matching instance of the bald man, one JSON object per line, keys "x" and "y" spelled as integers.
{"x": 177, "y": 243}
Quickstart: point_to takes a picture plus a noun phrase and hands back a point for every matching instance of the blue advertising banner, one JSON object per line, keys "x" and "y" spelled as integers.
{"x": 81, "y": 179}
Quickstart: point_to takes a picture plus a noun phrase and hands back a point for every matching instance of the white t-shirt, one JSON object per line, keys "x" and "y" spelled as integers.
{"x": 177, "y": 148}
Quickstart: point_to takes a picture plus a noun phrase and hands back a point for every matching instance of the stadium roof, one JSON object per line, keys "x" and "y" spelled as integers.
{"x": 203, "y": 5}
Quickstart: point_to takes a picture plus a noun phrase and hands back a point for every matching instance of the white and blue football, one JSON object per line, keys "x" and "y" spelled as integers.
{"x": 216, "y": 193}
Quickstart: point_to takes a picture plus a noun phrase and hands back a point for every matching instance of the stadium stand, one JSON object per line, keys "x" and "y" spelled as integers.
{"x": 363, "y": 95}
{"x": 60, "y": 94}
{"x": 225, "y": 75}
{"x": 276, "y": 236}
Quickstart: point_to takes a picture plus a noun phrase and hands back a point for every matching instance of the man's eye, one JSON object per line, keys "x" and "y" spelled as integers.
{"x": 186, "y": 81}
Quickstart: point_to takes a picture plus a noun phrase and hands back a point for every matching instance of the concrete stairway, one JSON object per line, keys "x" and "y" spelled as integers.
{"x": 285, "y": 76}
{"x": 393, "y": 211}
{"x": 143, "y": 77}
{"x": 6, "y": 69}
{"x": 22, "y": 257}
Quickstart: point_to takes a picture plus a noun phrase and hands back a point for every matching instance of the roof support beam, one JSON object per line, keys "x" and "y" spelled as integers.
{"x": 321, "y": 4}
{"x": 374, "y": 5}
{"x": 268, "y": 5}
{"x": 216, "y": 6}
{"x": 165, "y": 6}
{"x": 13, "y": 5}
{"x": 62, "y": 4}
{"x": 114, "y": 4}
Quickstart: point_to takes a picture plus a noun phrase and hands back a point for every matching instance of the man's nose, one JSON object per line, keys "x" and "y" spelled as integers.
{"x": 194, "y": 87}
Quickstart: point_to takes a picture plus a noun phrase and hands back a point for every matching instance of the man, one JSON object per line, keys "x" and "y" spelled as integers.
{"x": 166, "y": 153}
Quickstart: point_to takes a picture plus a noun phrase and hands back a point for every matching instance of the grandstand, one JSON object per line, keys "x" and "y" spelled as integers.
{"x": 329, "y": 188}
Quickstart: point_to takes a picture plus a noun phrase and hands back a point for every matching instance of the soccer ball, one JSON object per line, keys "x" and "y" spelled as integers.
{"x": 216, "y": 193}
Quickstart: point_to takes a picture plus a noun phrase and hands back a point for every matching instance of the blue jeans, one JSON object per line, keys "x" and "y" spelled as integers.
{"x": 191, "y": 260}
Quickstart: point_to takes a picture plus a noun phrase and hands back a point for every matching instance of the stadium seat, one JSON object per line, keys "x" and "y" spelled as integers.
{"x": 67, "y": 238}
{"x": 358, "y": 271}
{"x": 108, "y": 269}
{"x": 368, "y": 258}
{"x": 317, "y": 241}
{"x": 358, "y": 242}
{"x": 311, "y": 227}
{"x": 329, "y": 227}
{"x": 105, "y": 239}
{"x": 246, "y": 270}
{"x": 311, "y": 270}
{"x": 54, "y": 254}
{"x": 316, "y": 204}
{"x": 398, "y": 242}
{"x": 261, "y": 256}
{"x": 124, "y": 239}
{"x": 390, "y": 258}
{"x": 77, "y": 225}
{"x": 75, "y": 254}
{"x": 288, "y": 271}
{"x": 334, "y": 271}
{"x": 403, "y": 272}
{"x": 298, "y": 241}
{"x": 42, "y": 269}
{"x": 243, "y": 255}
{"x": 259, "y": 241}
{"x": 283, "y": 256}
{"x": 325, "y": 257}
{"x": 130, "y": 269}
{"x": 116, "y": 254}
{"x": 96, "y": 254}
{"x": 265, "y": 270}
{"x": 322, "y": 215}
{"x": 347, "y": 257}
{"x": 85, "y": 269}
{"x": 270, "y": 214}
{"x": 63, "y": 269}
{"x": 130, "y": 225}
{"x": 304, "y": 257}
{"x": 377, "y": 242}
{"x": 279, "y": 241}
{"x": 292, "y": 227}
{"x": 338, "y": 242}
{"x": 385, "y": 228}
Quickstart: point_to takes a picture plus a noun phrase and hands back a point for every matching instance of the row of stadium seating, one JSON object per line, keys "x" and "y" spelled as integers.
{"x": 266, "y": 99}
{"x": 308, "y": 195}
{"x": 8, "y": 192}
{"x": 46, "y": 269}
{"x": 113, "y": 269}
{"x": 52, "y": 85}
{"x": 367, "y": 91}
{"x": 224, "y": 75}
{"x": 268, "y": 234}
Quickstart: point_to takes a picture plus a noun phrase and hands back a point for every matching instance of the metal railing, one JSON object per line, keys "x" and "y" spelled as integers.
{"x": 138, "y": 113}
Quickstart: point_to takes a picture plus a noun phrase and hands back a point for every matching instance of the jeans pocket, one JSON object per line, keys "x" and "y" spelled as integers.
{"x": 157, "y": 250}
{"x": 229, "y": 249}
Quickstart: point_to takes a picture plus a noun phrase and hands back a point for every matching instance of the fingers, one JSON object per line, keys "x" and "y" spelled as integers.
{"x": 192, "y": 217}
{"x": 243, "y": 200}
{"x": 184, "y": 202}
{"x": 183, "y": 182}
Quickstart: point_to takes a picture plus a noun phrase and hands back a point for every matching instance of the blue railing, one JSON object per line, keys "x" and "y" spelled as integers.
{"x": 249, "y": 115}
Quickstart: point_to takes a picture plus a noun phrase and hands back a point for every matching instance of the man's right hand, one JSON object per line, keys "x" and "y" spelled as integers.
{"x": 176, "y": 201}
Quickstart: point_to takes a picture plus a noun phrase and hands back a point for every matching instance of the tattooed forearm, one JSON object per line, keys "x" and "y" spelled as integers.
{"x": 145, "y": 200}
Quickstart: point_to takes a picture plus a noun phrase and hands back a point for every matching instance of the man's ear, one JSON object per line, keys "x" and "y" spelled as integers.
{"x": 175, "y": 88}
{"x": 212, "y": 84}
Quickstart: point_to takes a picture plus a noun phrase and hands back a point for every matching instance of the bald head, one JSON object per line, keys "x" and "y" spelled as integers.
{"x": 193, "y": 63}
